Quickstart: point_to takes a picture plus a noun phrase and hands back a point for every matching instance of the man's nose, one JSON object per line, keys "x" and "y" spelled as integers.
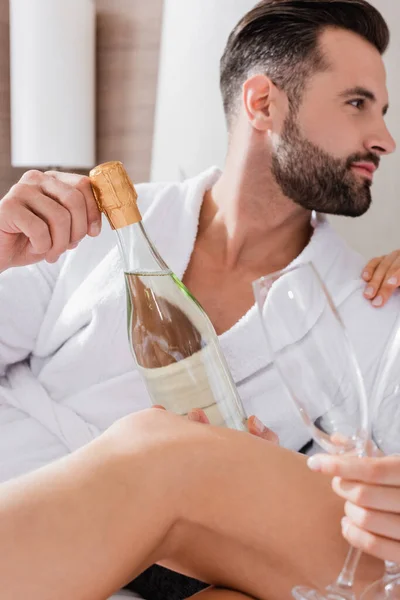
{"x": 381, "y": 142}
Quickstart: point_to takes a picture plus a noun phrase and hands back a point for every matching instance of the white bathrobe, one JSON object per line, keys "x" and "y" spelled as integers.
{"x": 66, "y": 367}
{"x": 66, "y": 371}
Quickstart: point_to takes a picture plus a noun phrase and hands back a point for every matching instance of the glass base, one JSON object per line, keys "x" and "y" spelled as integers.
{"x": 306, "y": 593}
{"x": 384, "y": 589}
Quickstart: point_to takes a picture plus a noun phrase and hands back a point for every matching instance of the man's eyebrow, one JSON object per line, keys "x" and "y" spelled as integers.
{"x": 361, "y": 91}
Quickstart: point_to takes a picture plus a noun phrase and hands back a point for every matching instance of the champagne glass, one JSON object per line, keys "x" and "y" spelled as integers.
{"x": 385, "y": 420}
{"x": 314, "y": 357}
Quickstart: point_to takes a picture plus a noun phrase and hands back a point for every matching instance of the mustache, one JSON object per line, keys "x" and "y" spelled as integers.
{"x": 368, "y": 157}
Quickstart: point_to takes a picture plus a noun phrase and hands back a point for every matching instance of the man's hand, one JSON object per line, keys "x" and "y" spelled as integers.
{"x": 254, "y": 424}
{"x": 371, "y": 488}
{"x": 256, "y": 427}
{"x": 44, "y": 215}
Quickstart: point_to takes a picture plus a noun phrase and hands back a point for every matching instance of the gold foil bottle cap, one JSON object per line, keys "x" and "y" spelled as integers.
{"x": 115, "y": 194}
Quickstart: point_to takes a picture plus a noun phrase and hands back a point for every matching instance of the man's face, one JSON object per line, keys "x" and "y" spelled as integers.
{"x": 328, "y": 150}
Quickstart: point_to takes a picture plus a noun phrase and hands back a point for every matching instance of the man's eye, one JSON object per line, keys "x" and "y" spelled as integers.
{"x": 358, "y": 103}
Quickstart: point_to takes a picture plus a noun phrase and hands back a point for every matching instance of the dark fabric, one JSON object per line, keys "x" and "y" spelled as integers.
{"x": 307, "y": 447}
{"x": 158, "y": 583}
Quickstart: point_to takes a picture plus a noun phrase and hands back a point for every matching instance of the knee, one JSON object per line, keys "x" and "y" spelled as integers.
{"x": 145, "y": 429}
{"x": 160, "y": 430}
{"x": 164, "y": 441}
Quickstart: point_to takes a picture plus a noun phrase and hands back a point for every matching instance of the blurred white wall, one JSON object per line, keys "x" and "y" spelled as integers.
{"x": 190, "y": 132}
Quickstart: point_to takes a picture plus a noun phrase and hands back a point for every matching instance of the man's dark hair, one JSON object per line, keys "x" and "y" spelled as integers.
{"x": 280, "y": 38}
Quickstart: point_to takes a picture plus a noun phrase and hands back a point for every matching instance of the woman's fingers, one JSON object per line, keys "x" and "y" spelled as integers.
{"x": 380, "y": 547}
{"x": 377, "y": 522}
{"x": 369, "y": 269}
{"x": 375, "y": 471}
{"x": 391, "y": 282}
{"x": 383, "y": 277}
{"x": 368, "y": 496}
{"x": 371, "y": 488}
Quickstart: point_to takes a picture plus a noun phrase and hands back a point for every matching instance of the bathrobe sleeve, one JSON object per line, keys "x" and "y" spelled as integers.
{"x": 25, "y": 293}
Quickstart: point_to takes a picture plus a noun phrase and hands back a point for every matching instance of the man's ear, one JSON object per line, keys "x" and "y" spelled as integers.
{"x": 258, "y": 93}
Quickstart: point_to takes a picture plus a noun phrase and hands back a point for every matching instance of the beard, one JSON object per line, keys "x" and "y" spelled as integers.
{"x": 316, "y": 180}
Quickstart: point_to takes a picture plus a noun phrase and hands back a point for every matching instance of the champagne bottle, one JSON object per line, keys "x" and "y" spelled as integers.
{"x": 172, "y": 339}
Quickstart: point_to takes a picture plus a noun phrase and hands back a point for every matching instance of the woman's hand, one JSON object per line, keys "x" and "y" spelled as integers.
{"x": 371, "y": 488}
{"x": 383, "y": 278}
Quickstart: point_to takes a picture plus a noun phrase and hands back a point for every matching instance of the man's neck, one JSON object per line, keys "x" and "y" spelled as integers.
{"x": 247, "y": 222}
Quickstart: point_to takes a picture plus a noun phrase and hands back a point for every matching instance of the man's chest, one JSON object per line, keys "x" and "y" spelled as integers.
{"x": 226, "y": 297}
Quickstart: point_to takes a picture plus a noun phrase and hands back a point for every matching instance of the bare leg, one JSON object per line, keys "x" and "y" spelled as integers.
{"x": 231, "y": 509}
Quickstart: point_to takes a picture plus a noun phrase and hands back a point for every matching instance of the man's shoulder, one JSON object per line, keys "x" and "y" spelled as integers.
{"x": 344, "y": 277}
{"x": 369, "y": 328}
{"x": 343, "y": 264}
{"x": 345, "y": 282}
{"x": 151, "y": 194}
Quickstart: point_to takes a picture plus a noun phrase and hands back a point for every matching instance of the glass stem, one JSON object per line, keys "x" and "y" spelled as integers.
{"x": 345, "y": 581}
{"x": 392, "y": 570}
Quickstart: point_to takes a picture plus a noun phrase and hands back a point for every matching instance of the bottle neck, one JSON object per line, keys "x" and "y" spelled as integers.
{"x": 137, "y": 251}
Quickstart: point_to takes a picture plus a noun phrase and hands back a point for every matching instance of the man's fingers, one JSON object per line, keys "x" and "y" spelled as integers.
{"x": 270, "y": 436}
{"x": 199, "y": 416}
{"x": 74, "y": 192}
{"x": 34, "y": 228}
{"x": 375, "y": 471}
{"x": 83, "y": 185}
{"x": 43, "y": 221}
{"x": 196, "y": 414}
{"x": 70, "y": 199}
{"x": 44, "y": 215}
{"x": 58, "y": 221}
{"x": 256, "y": 427}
